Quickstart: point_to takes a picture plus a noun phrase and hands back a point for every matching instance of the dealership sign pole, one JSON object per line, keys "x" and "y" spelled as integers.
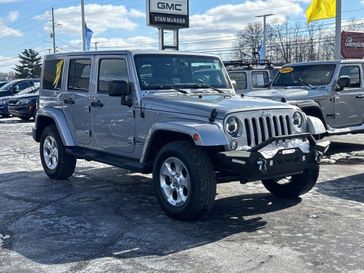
{"x": 338, "y": 31}
{"x": 168, "y": 15}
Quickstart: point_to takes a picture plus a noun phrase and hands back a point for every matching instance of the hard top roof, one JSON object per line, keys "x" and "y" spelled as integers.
{"x": 126, "y": 52}
{"x": 348, "y": 61}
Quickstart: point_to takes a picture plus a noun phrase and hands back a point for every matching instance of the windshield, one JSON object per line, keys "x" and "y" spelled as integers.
{"x": 305, "y": 75}
{"x": 7, "y": 86}
{"x": 180, "y": 71}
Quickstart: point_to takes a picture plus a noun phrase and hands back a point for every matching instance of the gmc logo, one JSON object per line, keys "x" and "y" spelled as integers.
{"x": 169, "y": 6}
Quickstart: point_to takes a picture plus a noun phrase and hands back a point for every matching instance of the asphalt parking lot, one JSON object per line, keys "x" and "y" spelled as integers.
{"x": 105, "y": 219}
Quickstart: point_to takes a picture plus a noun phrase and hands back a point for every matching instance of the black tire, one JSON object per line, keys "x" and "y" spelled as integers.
{"x": 66, "y": 163}
{"x": 34, "y": 113}
{"x": 296, "y": 185}
{"x": 202, "y": 192}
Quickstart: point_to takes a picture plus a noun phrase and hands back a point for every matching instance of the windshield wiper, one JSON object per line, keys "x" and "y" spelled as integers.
{"x": 305, "y": 83}
{"x": 208, "y": 87}
{"x": 165, "y": 87}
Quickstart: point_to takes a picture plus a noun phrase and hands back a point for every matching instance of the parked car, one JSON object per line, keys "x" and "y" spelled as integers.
{"x": 331, "y": 91}
{"x": 24, "y": 104}
{"x": 4, "y": 101}
{"x": 250, "y": 77}
{"x": 15, "y": 86}
{"x": 3, "y": 83}
{"x": 157, "y": 112}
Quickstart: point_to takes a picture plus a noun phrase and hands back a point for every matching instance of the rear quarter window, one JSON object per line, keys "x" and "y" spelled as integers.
{"x": 260, "y": 79}
{"x": 240, "y": 78}
{"x": 52, "y": 74}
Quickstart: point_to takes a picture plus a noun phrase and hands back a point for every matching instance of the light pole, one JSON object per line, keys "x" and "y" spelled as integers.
{"x": 96, "y": 43}
{"x": 53, "y": 32}
{"x": 338, "y": 31}
{"x": 264, "y": 32}
{"x": 83, "y": 25}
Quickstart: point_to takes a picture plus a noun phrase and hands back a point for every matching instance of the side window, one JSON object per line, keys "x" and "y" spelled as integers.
{"x": 79, "y": 74}
{"x": 22, "y": 85}
{"x": 111, "y": 71}
{"x": 260, "y": 79}
{"x": 52, "y": 74}
{"x": 354, "y": 73}
{"x": 240, "y": 78}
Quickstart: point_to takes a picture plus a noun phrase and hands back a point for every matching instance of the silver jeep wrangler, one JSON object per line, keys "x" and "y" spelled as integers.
{"x": 330, "y": 91}
{"x": 174, "y": 115}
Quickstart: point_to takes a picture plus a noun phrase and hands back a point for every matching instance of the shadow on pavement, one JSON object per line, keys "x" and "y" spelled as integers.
{"x": 107, "y": 212}
{"x": 349, "y": 188}
{"x": 340, "y": 147}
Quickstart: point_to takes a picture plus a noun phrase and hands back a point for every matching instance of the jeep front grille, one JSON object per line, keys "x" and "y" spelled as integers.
{"x": 260, "y": 129}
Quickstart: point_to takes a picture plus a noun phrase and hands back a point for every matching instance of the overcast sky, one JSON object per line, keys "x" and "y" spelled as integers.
{"x": 122, "y": 23}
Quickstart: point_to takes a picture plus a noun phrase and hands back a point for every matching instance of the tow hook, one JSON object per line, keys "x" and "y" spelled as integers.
{"x": 262, "y": 165}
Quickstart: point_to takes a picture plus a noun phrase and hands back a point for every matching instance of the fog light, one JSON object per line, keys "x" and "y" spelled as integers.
{"x": 234, "y": 145}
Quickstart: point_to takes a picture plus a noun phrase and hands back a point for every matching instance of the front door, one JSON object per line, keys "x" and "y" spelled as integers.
{"x": 349, "y": 103}
{"x": 112, "y": 123}
{"x": 77, "y": 100}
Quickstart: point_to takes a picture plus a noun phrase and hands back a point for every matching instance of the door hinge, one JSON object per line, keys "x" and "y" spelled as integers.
{"x": 89, "y": 108}
{"x": 89, "y": 133}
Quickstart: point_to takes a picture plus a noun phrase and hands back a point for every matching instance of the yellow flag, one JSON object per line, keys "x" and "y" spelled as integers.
{"x": 58, "y": 73}
{"x": 321, "y": 9}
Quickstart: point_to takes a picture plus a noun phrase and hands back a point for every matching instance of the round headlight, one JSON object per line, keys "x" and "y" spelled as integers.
{"x": 298, "y": 121}
{"x": 232, "y": 126}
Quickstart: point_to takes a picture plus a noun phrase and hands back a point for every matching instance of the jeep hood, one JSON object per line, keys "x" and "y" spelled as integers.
{"x": 203, "y": 105}
{"x": 289, "y": 93}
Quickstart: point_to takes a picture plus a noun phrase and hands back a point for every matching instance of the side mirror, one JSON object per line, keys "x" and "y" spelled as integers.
{"x": 15, "y": 89}
{"x": 119, "y": 89}
{"x": 343, "y": 82}
{"x": 234, "y": 83}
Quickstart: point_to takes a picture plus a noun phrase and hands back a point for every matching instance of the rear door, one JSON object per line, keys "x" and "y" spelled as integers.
{"x": 112, "y": 122}
{"x": 349, "y": 103}
{"x": 77, "y": 99}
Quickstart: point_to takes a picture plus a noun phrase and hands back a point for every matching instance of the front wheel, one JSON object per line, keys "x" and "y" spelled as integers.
{"x": 293, "y": 186}
{"x": 184, "y": 180}
{"x": 57, "y": 164}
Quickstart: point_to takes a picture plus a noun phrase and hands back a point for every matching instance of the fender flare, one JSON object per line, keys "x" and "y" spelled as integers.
{"x": 210, "y": 134}
{"x": 59, "y": 120}
{"x": 315, "y": 126}
{"x": 305, "y": 106}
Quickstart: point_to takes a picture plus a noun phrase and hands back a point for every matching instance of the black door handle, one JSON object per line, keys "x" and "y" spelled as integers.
{"x": 97, "y": 104}
{"x": 69, "y": 101}
{"x": 360, "y": 96}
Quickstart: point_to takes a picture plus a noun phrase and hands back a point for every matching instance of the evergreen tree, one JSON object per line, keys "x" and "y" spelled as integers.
{"x": 30, "y": 64}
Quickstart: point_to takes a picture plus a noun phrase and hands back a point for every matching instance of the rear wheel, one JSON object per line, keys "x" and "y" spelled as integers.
{"x": 293, "y": 186}
{"x": 56, "y": 163}
{"x": 184, "y": 180}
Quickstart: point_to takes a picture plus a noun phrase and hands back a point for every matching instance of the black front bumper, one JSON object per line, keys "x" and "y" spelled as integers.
{"x": 4, "y": 110}
{"x": 23, "y": 111}
{"x": 252, "y": 165}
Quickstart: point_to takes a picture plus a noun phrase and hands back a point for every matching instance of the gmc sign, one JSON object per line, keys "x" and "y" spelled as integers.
{"x": 168, "y": 14}
{"x": 170, "y": 7}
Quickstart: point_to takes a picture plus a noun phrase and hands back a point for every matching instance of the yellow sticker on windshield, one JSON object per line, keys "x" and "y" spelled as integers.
{"x": 286, "y": 70}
